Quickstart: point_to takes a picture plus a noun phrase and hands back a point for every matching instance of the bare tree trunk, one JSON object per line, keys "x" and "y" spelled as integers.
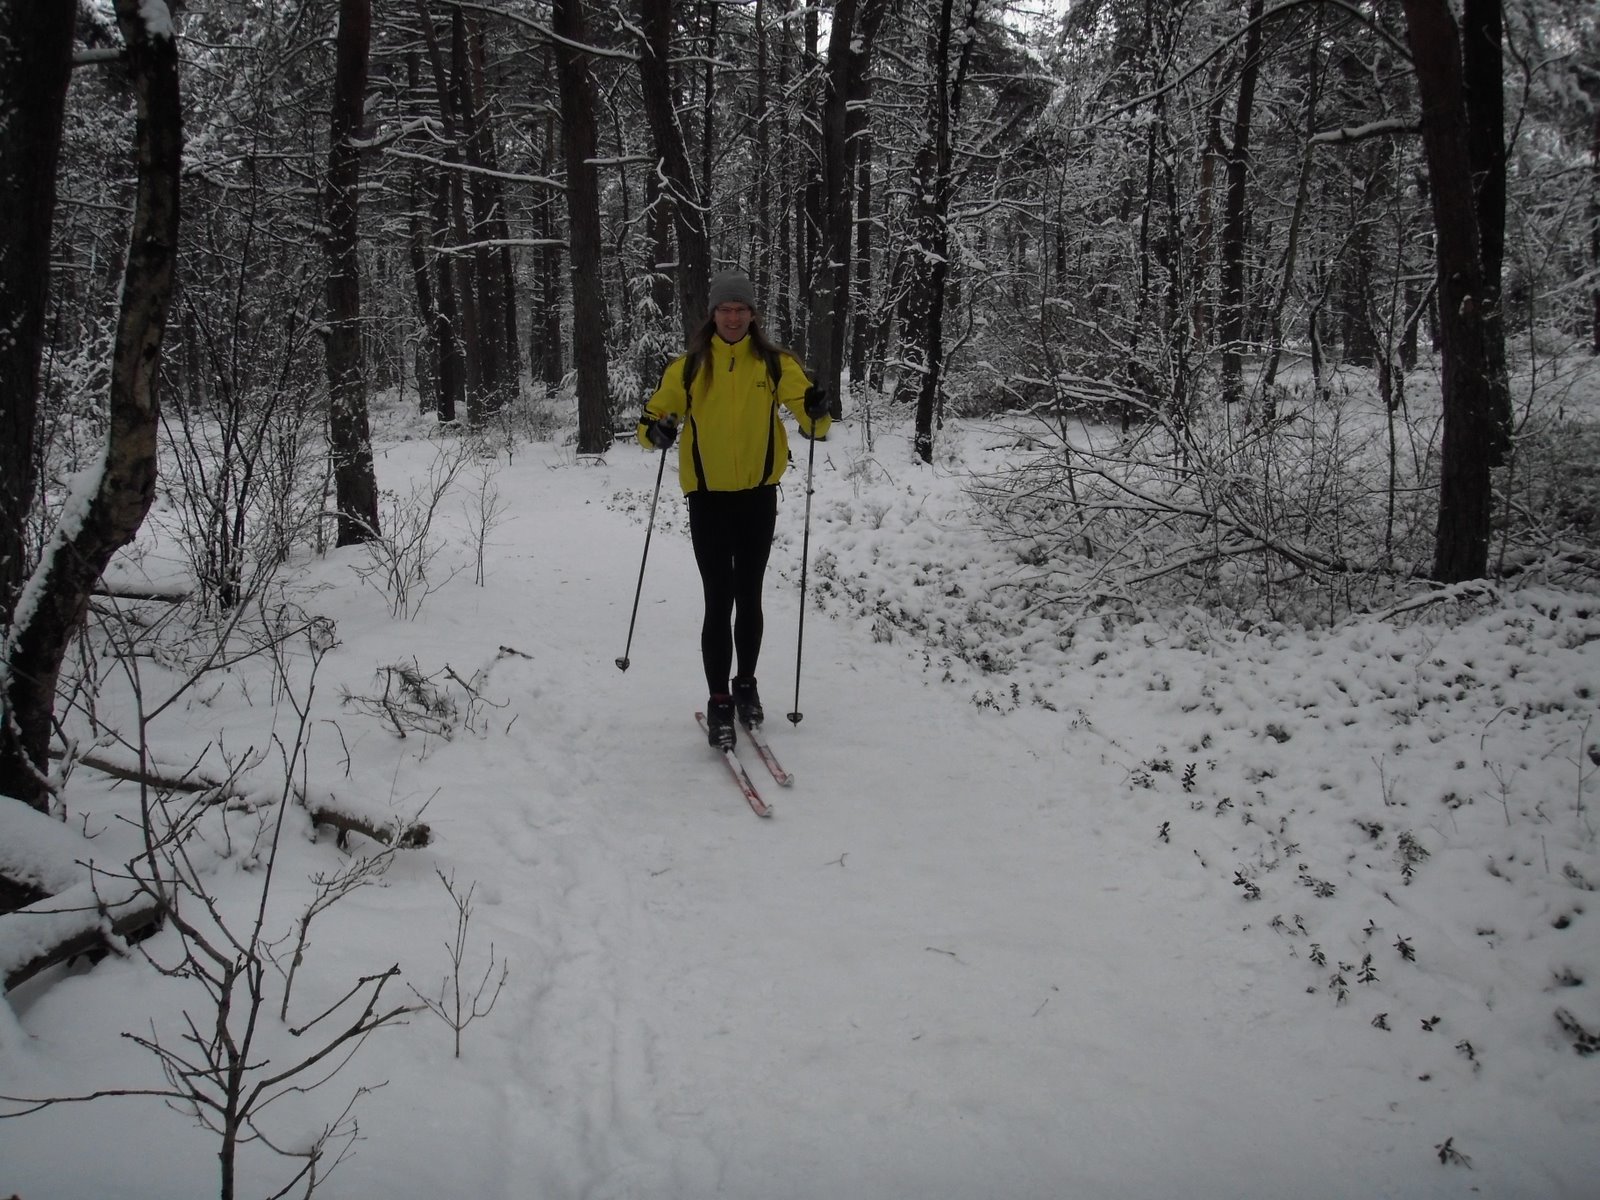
{"x": 1475, "y": 430}
{"x": 843, "y": 121}
{"x": 116, "y": 497}
{"x": 1302, "y": 197}
{"x": 683, "y": 195}
{"x": 931, "y": 267}
{"x": 35, "y": 65}
{"x": 583, "y": 228}
{"x": 1236, "y": 218}
{"x": 761, "y": 239}
{"x": 1205, "y": 225}
{"x": 350, "y": 440}
{"x": 419, "y": 251}
{"x": 463, "y": 286}
{"x": 861, "y": 326}
{"x": 780, "y": 299}
{"x": 545, "y": 323}
{"x": 447, "y": 317}
{"x": 491, "y": 263}
{"x": 1594, "y": 226}
{"x": 1483, "y": 83}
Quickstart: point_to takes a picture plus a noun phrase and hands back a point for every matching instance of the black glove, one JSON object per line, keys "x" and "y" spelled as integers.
{"x": 662, "y": 432}
{"x": 816, "y": 402}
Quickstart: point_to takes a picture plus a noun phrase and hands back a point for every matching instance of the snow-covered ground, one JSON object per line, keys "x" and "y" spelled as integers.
{"x": 1110, "y": 910}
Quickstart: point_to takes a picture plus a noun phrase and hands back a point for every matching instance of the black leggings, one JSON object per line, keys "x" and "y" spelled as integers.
{"x": 732, "y": 536}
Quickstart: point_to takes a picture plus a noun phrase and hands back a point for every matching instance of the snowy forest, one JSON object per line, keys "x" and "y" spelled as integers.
{"x": 1187, "y": 357}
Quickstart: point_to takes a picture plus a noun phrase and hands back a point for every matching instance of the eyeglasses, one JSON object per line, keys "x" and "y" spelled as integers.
{"x": 733, "y": 310}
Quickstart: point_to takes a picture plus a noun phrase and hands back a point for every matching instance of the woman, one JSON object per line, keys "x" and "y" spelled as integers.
{"x": 725, "y": 392}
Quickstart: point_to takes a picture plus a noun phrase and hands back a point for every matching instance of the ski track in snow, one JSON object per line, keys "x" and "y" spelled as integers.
{"x": 955, "y": 963}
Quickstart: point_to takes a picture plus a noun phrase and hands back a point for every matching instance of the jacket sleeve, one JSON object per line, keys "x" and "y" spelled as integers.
{"x": 792, "y": 387}
{"x": 667, "y": 399}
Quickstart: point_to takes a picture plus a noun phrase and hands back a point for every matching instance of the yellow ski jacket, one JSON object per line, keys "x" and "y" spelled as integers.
{"x": 730, "y": 436}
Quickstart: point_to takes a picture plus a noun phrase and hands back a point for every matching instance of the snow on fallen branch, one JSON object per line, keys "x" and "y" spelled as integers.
{"x": 380, "y": 827}
{"x": 70, "y": 907}
{"x": 1472, "y": 589}
{"x": 94, "y": 916}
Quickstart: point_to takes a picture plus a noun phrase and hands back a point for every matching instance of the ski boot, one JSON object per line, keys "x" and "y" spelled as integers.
{"x": 747, "y": 703}
{"x": 719, "y": 722}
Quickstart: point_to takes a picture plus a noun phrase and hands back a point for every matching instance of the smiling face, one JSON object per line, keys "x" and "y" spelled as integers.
{"x": 733, "y": 320}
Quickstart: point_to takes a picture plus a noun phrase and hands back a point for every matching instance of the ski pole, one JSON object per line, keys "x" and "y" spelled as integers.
{"x": 805, "y": 554}
{"x": 625, "y": 661}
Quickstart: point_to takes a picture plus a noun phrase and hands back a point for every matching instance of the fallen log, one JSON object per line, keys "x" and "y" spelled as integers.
{"x": 398, "y": 832}
{"x": 81, "y": 920}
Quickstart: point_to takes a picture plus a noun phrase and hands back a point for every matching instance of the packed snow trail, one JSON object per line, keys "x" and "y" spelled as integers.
{"x": 930, "y": 974}
{"x": 958, "y": 962}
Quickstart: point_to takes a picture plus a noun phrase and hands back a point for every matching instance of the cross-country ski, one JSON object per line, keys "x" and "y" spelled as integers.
{"x": 741, "y": 777}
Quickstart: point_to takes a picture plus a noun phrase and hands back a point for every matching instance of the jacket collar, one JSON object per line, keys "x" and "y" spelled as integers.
{"x": 722, "y": 351}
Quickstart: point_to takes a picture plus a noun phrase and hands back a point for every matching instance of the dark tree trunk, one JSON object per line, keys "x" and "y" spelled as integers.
{"x": 453, "y": 232}
{"x": 123, "y": 487}
{"x": 1231, "y": 323}
{"x": 447, "y": 317}
{"x": 1594, "y": 226}
{"x": 930, "y": 265}
{"x": 1483, "y": 84}
{"x": 491, "y": 263}
{"x": 426, "y": 360}
{"x": 499, "y": 230}
{"x": 1475, "y": 425}
{"x": 350, "y": 440}
{"x": 1291, "y": 248}
{"x": 861, "y": 325}
{"x": 35, "y": 65}
{"x": 780, "y": 301}
{"x": 761, "y": 269}
{"x": 579, "y": 138}
{"x": 662, "y": 267}
{"x": 419, "y": 251}
{"x": 545, "y": 323}
{"x": 683, "y": 195}
{"x": 830, "y": 278}
{"x": 1205, "y": 224}
{"x": 843, "y": 122}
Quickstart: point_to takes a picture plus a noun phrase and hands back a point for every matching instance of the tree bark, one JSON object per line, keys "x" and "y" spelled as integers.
{"x": 545, "y": 323}
{"x": 930, "y": 266}
{"x": 1291, "y": 248}
{"x": 1475, "y": 429}
{"x": 35, "y": 66}
{"x": 1483, "y": 84}
{"x": 682, "y": 193}
{"x": 419, "y": 250}
{"x": 1235, "y": 221}
{"x": 579, "y": 139}
{"x": 113, "y": 500}
{"x": 350, "y": 439}
{"x": 497, "y": 305}
{"x": 861, "y": 325}
{"x": 462, "y": 287}
{"x": 843, "y": 121}
{"x": 1594, "y": 227}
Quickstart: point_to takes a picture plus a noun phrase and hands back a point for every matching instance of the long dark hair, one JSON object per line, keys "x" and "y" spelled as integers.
{"x": 698, "y": 346}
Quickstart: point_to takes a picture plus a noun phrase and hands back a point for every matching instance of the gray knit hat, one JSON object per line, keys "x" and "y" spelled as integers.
{"x": 730, "y": 287}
